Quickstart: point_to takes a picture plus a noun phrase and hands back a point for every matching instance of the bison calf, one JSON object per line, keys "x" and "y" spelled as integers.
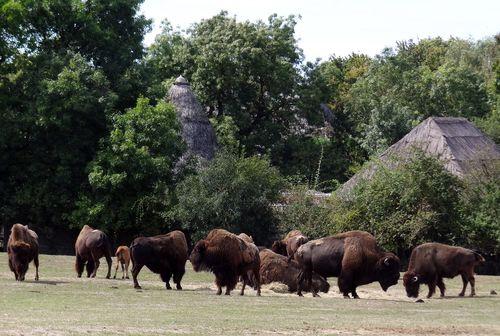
{"x": 431, "y": 262}
{"x": 288, "y": 245}
{"x": 122, "y": 258}
{"x": 22, "y": 248}
{"x": 164, "y": 254}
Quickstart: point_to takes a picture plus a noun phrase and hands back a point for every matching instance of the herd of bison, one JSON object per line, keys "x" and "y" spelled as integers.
{"x": 353, "y": 257}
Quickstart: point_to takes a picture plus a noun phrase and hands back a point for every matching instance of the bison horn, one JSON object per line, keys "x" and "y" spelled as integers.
{"x": 386, "y": 261}
{"x": 414, "y": 279}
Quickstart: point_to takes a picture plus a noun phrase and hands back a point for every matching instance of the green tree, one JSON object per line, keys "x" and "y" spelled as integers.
{"x": 234, "y": 193}
{"x": 131, "y": 181}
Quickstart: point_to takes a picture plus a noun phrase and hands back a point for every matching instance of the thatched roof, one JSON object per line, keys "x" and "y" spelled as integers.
{"x": 455, "y": 141}
{"x": 197, "y": 131}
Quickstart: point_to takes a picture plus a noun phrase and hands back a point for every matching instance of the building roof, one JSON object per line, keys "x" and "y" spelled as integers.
{"x": 456, "y": 141}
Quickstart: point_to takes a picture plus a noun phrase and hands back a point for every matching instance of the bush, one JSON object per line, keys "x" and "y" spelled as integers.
{"x": 404, "y": 204}
{"x": 234, "y": 193}
{"x": 131, "y": 179}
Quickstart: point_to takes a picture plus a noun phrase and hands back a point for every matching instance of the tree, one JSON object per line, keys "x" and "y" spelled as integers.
{"x": 131, "y": 181}
{"x": 234, "y": 193}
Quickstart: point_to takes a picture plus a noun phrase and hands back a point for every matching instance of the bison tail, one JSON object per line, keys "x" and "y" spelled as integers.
{"x": 479, "y": 258}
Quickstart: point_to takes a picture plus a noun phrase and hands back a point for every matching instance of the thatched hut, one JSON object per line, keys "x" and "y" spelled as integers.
{"x": 455, "y": 141}
{"x": 197, "y": 131}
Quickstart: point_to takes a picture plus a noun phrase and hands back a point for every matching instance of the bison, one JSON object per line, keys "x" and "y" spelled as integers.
{"x": 354, "y": 257}
{"x": 288, "y": 245}
{"x": 275, "y": 267}
{"x": 122, "y": 258}
{"x": 431, "y": 262}
{"x": 91, "y": 245}
{"x": 164, "y": 254}
{"x": 228, "y": 257}
{"x": 22, "y": 248}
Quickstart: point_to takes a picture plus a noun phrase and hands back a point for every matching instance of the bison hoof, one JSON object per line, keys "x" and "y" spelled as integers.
{"x": 137, "y": 287}
{"x": 115, "y": 277}
{"x": 179, "y": 287}
{"x": 461, "y": 294}
{"x": 127, "y": 277}
{"x": 300, "y": 294}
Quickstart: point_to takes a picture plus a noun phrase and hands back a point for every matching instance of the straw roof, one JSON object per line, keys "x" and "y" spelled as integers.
{"x": 456, "y": 141}
{"x": 197, "y": 131}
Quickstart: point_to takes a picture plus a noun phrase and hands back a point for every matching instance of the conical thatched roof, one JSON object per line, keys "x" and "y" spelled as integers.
{"x": 455, "y": 141}
{"x": 197, "y": 131}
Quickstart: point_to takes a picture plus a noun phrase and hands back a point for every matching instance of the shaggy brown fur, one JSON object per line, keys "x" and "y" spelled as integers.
{"x": 90, "y": 246}
{"x": 431, "y": 262}
{"x": 275, "y": 268}
{"x": 289, "y": 245}
{"x": 164, "y": 254}
{"x": 354, "y": 257}
{"x": 227, "y": 256}
{"x": 22, "y": 248}
{"x": 122, "y": 258}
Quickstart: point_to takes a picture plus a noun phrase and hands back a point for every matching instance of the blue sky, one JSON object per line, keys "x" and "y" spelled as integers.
{"x": 343, "y": 27}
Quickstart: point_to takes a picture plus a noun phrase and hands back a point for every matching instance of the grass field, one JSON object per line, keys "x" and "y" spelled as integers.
{"x": 61, "y": 304}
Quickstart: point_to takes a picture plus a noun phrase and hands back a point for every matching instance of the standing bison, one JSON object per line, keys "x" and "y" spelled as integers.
{"x": 354, "y": 257}
{"x": 91, "y": 245}
{"x": 228, "y": 257}
{"x": 275, "y": 267}
{"x": 22, "y": 248}
{"x": 164, "y": 254}
{"x": 431, "y": 262}
{"x": 288, "y": 245}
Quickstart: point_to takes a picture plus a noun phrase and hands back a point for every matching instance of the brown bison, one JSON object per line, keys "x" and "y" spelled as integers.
{"x": 22, "y": 248}
{"x": 228, "y": 257}
{"x": 275, "y": 267}
{"x": 250, "y": 278}
{"x": 288, "y": 245}
{"x": 354, "y": 257}
{"x": 164, "y": 254}
{"x": 91, "y": 245}
{"x": 431, "y": 262}
{"x": 122, "y": 258}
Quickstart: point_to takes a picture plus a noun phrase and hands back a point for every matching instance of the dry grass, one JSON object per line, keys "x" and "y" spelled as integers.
{"x": 61, "y": 304}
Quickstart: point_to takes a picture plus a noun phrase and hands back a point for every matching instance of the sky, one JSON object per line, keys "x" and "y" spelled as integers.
{"x": 330, "y": 27}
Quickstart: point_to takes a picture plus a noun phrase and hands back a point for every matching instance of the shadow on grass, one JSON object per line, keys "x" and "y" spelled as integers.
{"x": 47, "y": 282}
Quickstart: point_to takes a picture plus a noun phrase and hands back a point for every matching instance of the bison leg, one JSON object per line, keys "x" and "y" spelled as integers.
{"x": 11, "y": 266}
{"x": 136, "y": 268}
{"x": 126, "y": 270}
{"x": 231, "y": 283}
{"x": 300, "y": 283}
{"x": 256, "y": 279}
{"x": 35, "y": 261}
{"x": 432, "y": 288}
{"x": 96, "y": 266}
{"x": 123, "y": 270}
{"x": 465, "y": 280}
{"x": 344, "y": 282}
{"x": 177, "y": 279}
{"x": 441, "y": 286}
{"x": 244, "y": 278}
{"x": 354, "y": 294}
{"x": 90, "y": 267}
{"x": 79, "y": 266}
{"x": 109, "y": 261}
{"x": 165, "y": 277}
{"x": 472, "y": 281}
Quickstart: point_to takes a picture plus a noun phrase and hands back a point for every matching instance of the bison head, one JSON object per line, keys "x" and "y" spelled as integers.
{"x": 320, "y": 283}
{"x": 279, "y": 247}
{"x": 411, "y": 281}
{"x": 20, "y": 258}
{"x": 197, "y": 257}
{"x": 388, "y": 270}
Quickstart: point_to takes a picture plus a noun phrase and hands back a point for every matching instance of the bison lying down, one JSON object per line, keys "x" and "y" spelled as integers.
{"x": 431, "y": 262}
{"x": 22, "y": 248}
{"x": 354, "y": 257}
{"x": 164, "y": 254}
{"x": 91, "y": 245}
{"x": 228, "y": 257}
{"x": 276, "y": 268}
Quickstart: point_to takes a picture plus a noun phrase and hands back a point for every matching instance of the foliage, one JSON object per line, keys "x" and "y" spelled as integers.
{"x": 480, "y": 201}
{"x": 300, "y": 211}
{"x": 131, "y": 179}
{"x": 404, "y": 204}
{"x": 234, "y": 193}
